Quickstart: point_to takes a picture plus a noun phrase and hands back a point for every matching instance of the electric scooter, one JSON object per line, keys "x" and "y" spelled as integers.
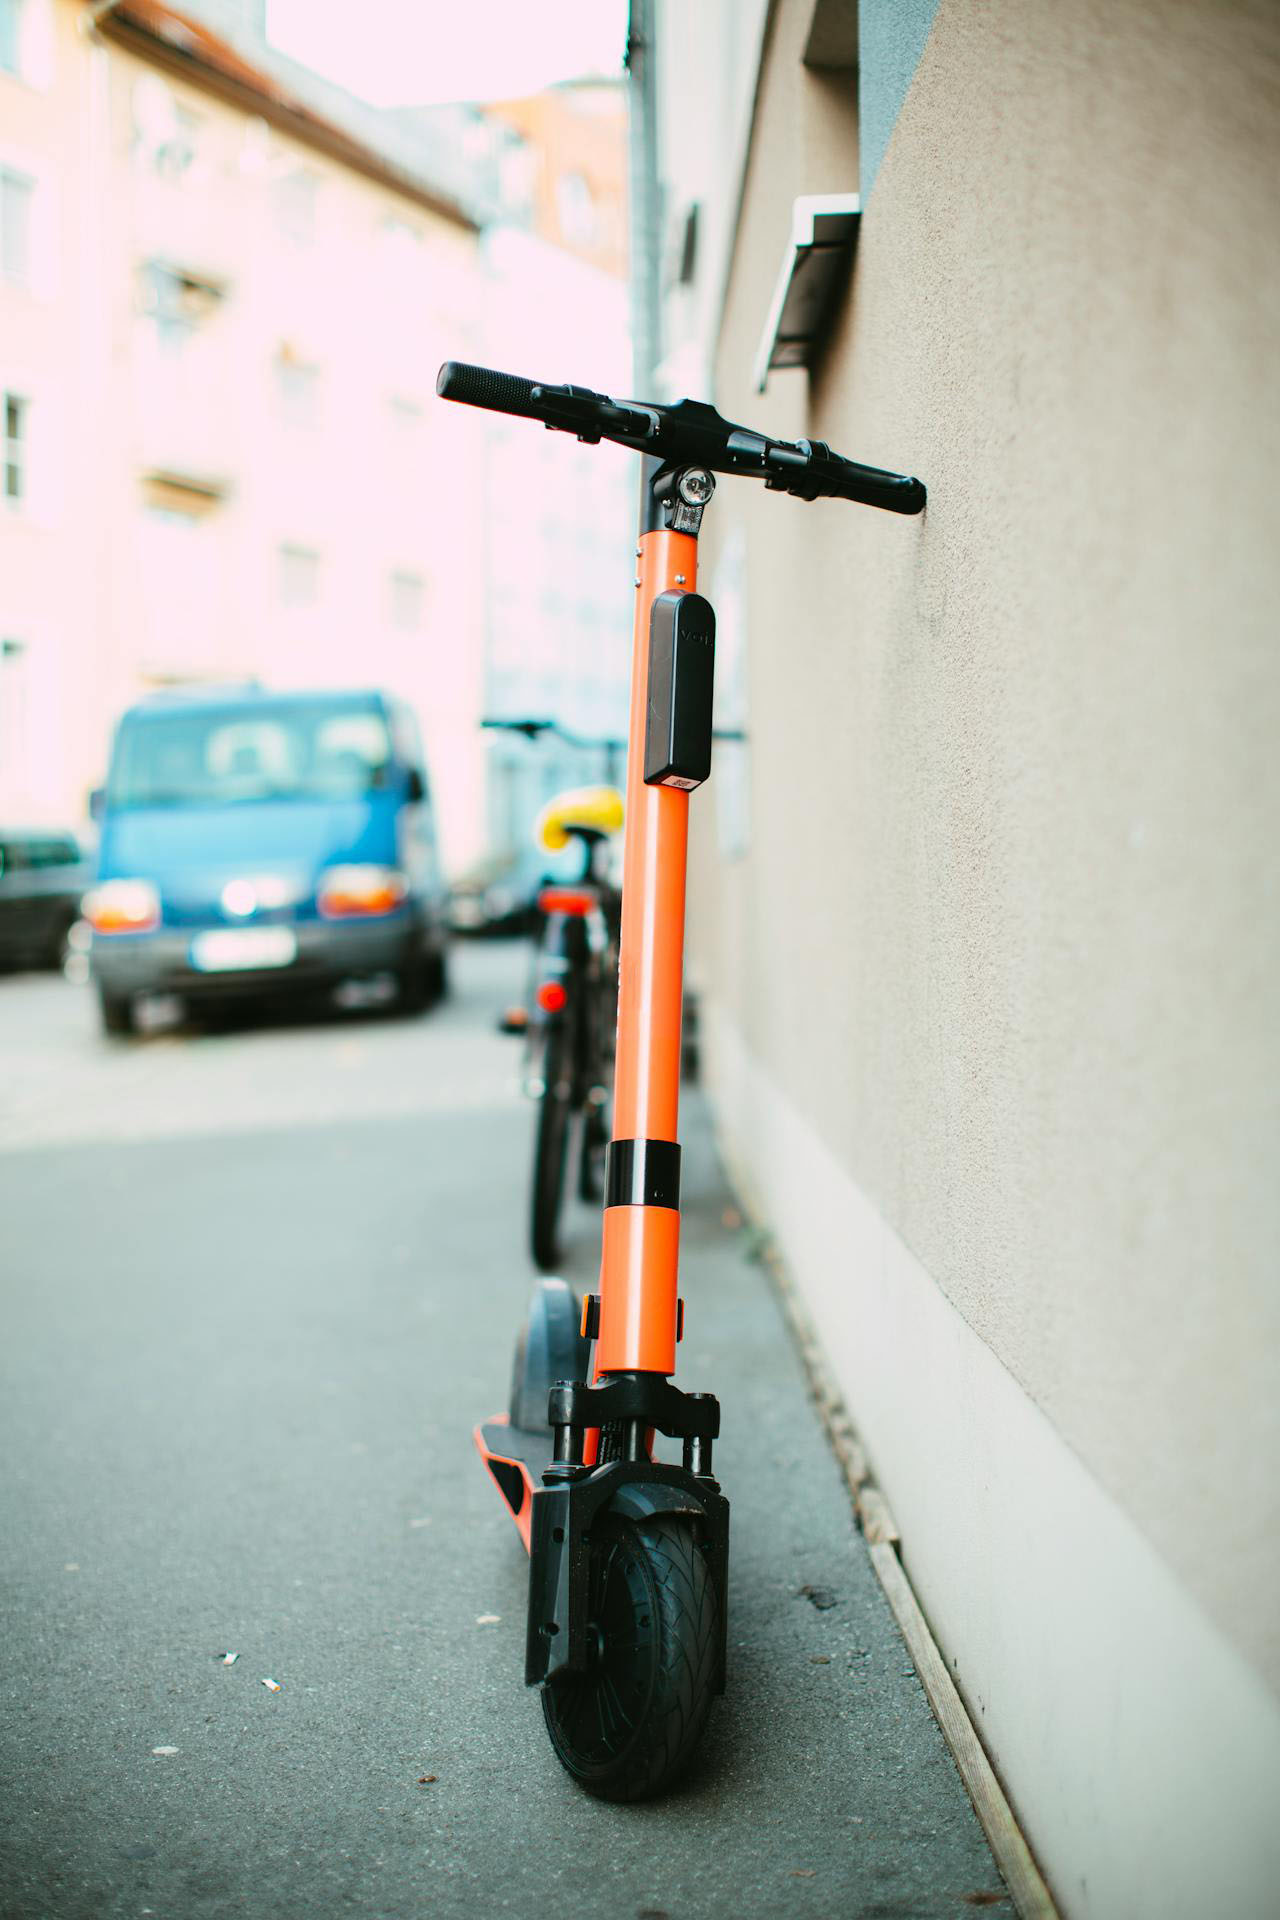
{"x": 628, "y": 1553}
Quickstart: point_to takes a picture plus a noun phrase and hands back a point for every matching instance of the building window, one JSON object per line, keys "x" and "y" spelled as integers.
{"x": 176, "y": 156}
{"x": 177, "y": 303}
{"x": 407, "y": 594}
{"x": 16, "y": 411}
{"x": 297, "y": 391}
{"x": 26, "y": 41}
{"x": 16, "y": 192}
{"x": 10, "y": 35}
{"x": 576, "y": 207}
{"x": 296, "y": 206}
{"x": 165, "y": 134}
{"x": 518, "y": 177}
{"x": 299, "y": 577}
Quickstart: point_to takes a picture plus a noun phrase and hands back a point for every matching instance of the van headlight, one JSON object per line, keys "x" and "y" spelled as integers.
{"x": 345, "y": 892}
{"x": 122, "y": 906}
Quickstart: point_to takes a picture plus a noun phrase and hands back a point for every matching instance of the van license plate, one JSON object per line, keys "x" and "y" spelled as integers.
{"x": 231, "y": 949}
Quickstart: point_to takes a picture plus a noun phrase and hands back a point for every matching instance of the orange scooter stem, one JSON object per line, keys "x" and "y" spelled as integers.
{"x": 641, "y": 1243}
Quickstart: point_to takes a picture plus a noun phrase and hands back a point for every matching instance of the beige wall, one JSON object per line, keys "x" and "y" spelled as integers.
{"x": 1005, "y": 937}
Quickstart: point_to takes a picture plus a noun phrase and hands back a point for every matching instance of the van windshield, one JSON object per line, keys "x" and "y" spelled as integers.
{"x": 296, "y": 750}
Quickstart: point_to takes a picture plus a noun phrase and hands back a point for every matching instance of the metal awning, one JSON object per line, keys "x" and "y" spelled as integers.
{"x": 824, "y": 227}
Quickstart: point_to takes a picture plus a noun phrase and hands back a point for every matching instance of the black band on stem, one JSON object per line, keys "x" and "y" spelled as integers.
{"x": 642, "y": 1173}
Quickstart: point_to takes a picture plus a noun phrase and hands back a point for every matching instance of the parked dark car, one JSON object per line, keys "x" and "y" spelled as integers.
{"x": 43, "y": 874}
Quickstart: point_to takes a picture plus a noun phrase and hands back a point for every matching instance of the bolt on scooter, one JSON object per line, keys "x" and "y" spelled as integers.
{"x": 629, "y": 1553}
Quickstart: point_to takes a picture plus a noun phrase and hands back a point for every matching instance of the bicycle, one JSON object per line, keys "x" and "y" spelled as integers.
{"x": 628, "y": 1553}
{"x": 572, "y": 1000}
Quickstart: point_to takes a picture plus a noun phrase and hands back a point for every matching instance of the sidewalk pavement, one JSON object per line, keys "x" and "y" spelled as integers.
{"x": 236, "y": 1392}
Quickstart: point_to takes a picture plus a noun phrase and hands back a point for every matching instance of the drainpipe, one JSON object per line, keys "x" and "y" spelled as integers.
{"x": 645, "y": 194}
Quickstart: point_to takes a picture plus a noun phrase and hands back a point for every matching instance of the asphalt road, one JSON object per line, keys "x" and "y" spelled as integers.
{"x": 257, "y": 1286}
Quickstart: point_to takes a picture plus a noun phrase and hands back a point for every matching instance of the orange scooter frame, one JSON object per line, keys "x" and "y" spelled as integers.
{"x": 628, "y": 1573}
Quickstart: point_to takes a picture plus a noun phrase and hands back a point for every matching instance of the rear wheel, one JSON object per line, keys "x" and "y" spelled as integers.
{"x": 591, "y": 1163}
{"x": 628, "y": 1727}
{"x": 116, "y": 1010}
{"x": 413, "y": 985}
{"x": 550, "y": 1150}
{"x": 438, "y": 975}
{"x": 422, "y": 980}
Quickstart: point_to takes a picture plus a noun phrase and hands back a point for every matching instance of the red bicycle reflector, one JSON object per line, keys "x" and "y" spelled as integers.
{"x": 567, "y": 900}
{"x": 551, "y": 996}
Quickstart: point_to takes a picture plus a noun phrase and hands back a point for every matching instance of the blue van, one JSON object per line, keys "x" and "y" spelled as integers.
{"x": 260, "y": 844}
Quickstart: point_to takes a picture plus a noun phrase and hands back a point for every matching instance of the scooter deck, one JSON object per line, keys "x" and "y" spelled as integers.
{"x": 515, "y": 1458}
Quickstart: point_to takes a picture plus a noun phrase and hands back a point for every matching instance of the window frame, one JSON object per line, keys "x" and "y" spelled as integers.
{"x": 403, "y": 582}
{"x": 288, "y": 552}
{"x": 15, "y": 450}
{"x": 13, "y": 11}
{"x": 10, "y": 177}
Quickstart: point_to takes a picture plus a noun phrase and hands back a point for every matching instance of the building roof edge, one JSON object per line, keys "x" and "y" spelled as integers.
{"x": 164, "y": 37}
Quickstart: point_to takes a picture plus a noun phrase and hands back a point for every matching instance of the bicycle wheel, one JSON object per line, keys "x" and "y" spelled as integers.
{"x": 591, "y": 1162}
{"x": 627, "y": 1729}
{"x": 550, "y": 1151}
{"x": 116, "y": 1010}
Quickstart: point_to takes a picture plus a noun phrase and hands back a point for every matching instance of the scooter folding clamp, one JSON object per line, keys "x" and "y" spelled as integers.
{"x": 647, "y": 1397}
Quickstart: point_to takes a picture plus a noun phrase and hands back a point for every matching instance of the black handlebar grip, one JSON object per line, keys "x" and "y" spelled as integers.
{"x": 873, "y": 487}
{"x": 482, "y": 387}
{"x": 809, "y": 469}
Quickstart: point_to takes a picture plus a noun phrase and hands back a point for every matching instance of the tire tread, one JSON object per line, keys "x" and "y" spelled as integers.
{"x": 664, "y": 1744}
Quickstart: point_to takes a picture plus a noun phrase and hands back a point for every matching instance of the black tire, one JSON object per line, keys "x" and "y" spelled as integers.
{"x": 116, "y": 1010}
{"x": 627, "y": 1729}
{"x": 550, "y": 1151}
{"x": 438, "y": 975}
{"x": 59, "y": 949}
{"x": 413, "y": 985}
{"x": 591, "y": 1159}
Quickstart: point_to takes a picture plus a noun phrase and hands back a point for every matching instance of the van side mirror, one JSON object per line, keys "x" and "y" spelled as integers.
{"x": 97, "y": 803}
{"x": 415, "y": 786}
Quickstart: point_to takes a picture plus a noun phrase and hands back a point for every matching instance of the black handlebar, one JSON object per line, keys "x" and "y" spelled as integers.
{"x": 688, "y": 434}
{"x": 534, "y": 729}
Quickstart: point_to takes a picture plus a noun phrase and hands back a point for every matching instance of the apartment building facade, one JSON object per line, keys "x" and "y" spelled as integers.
{"x": 984, "y": 914}
{"x": 220, "y": 321}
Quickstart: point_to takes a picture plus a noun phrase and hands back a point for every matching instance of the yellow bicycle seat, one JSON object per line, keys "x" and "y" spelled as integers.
{"x": 593, "y": 809}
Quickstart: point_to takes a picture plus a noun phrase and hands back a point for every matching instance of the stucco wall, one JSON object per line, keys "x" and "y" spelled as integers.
{"x": 1006, "y": 931}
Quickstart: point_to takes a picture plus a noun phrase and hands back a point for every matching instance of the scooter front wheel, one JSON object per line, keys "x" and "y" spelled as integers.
{"x": 627, "y": 1728}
